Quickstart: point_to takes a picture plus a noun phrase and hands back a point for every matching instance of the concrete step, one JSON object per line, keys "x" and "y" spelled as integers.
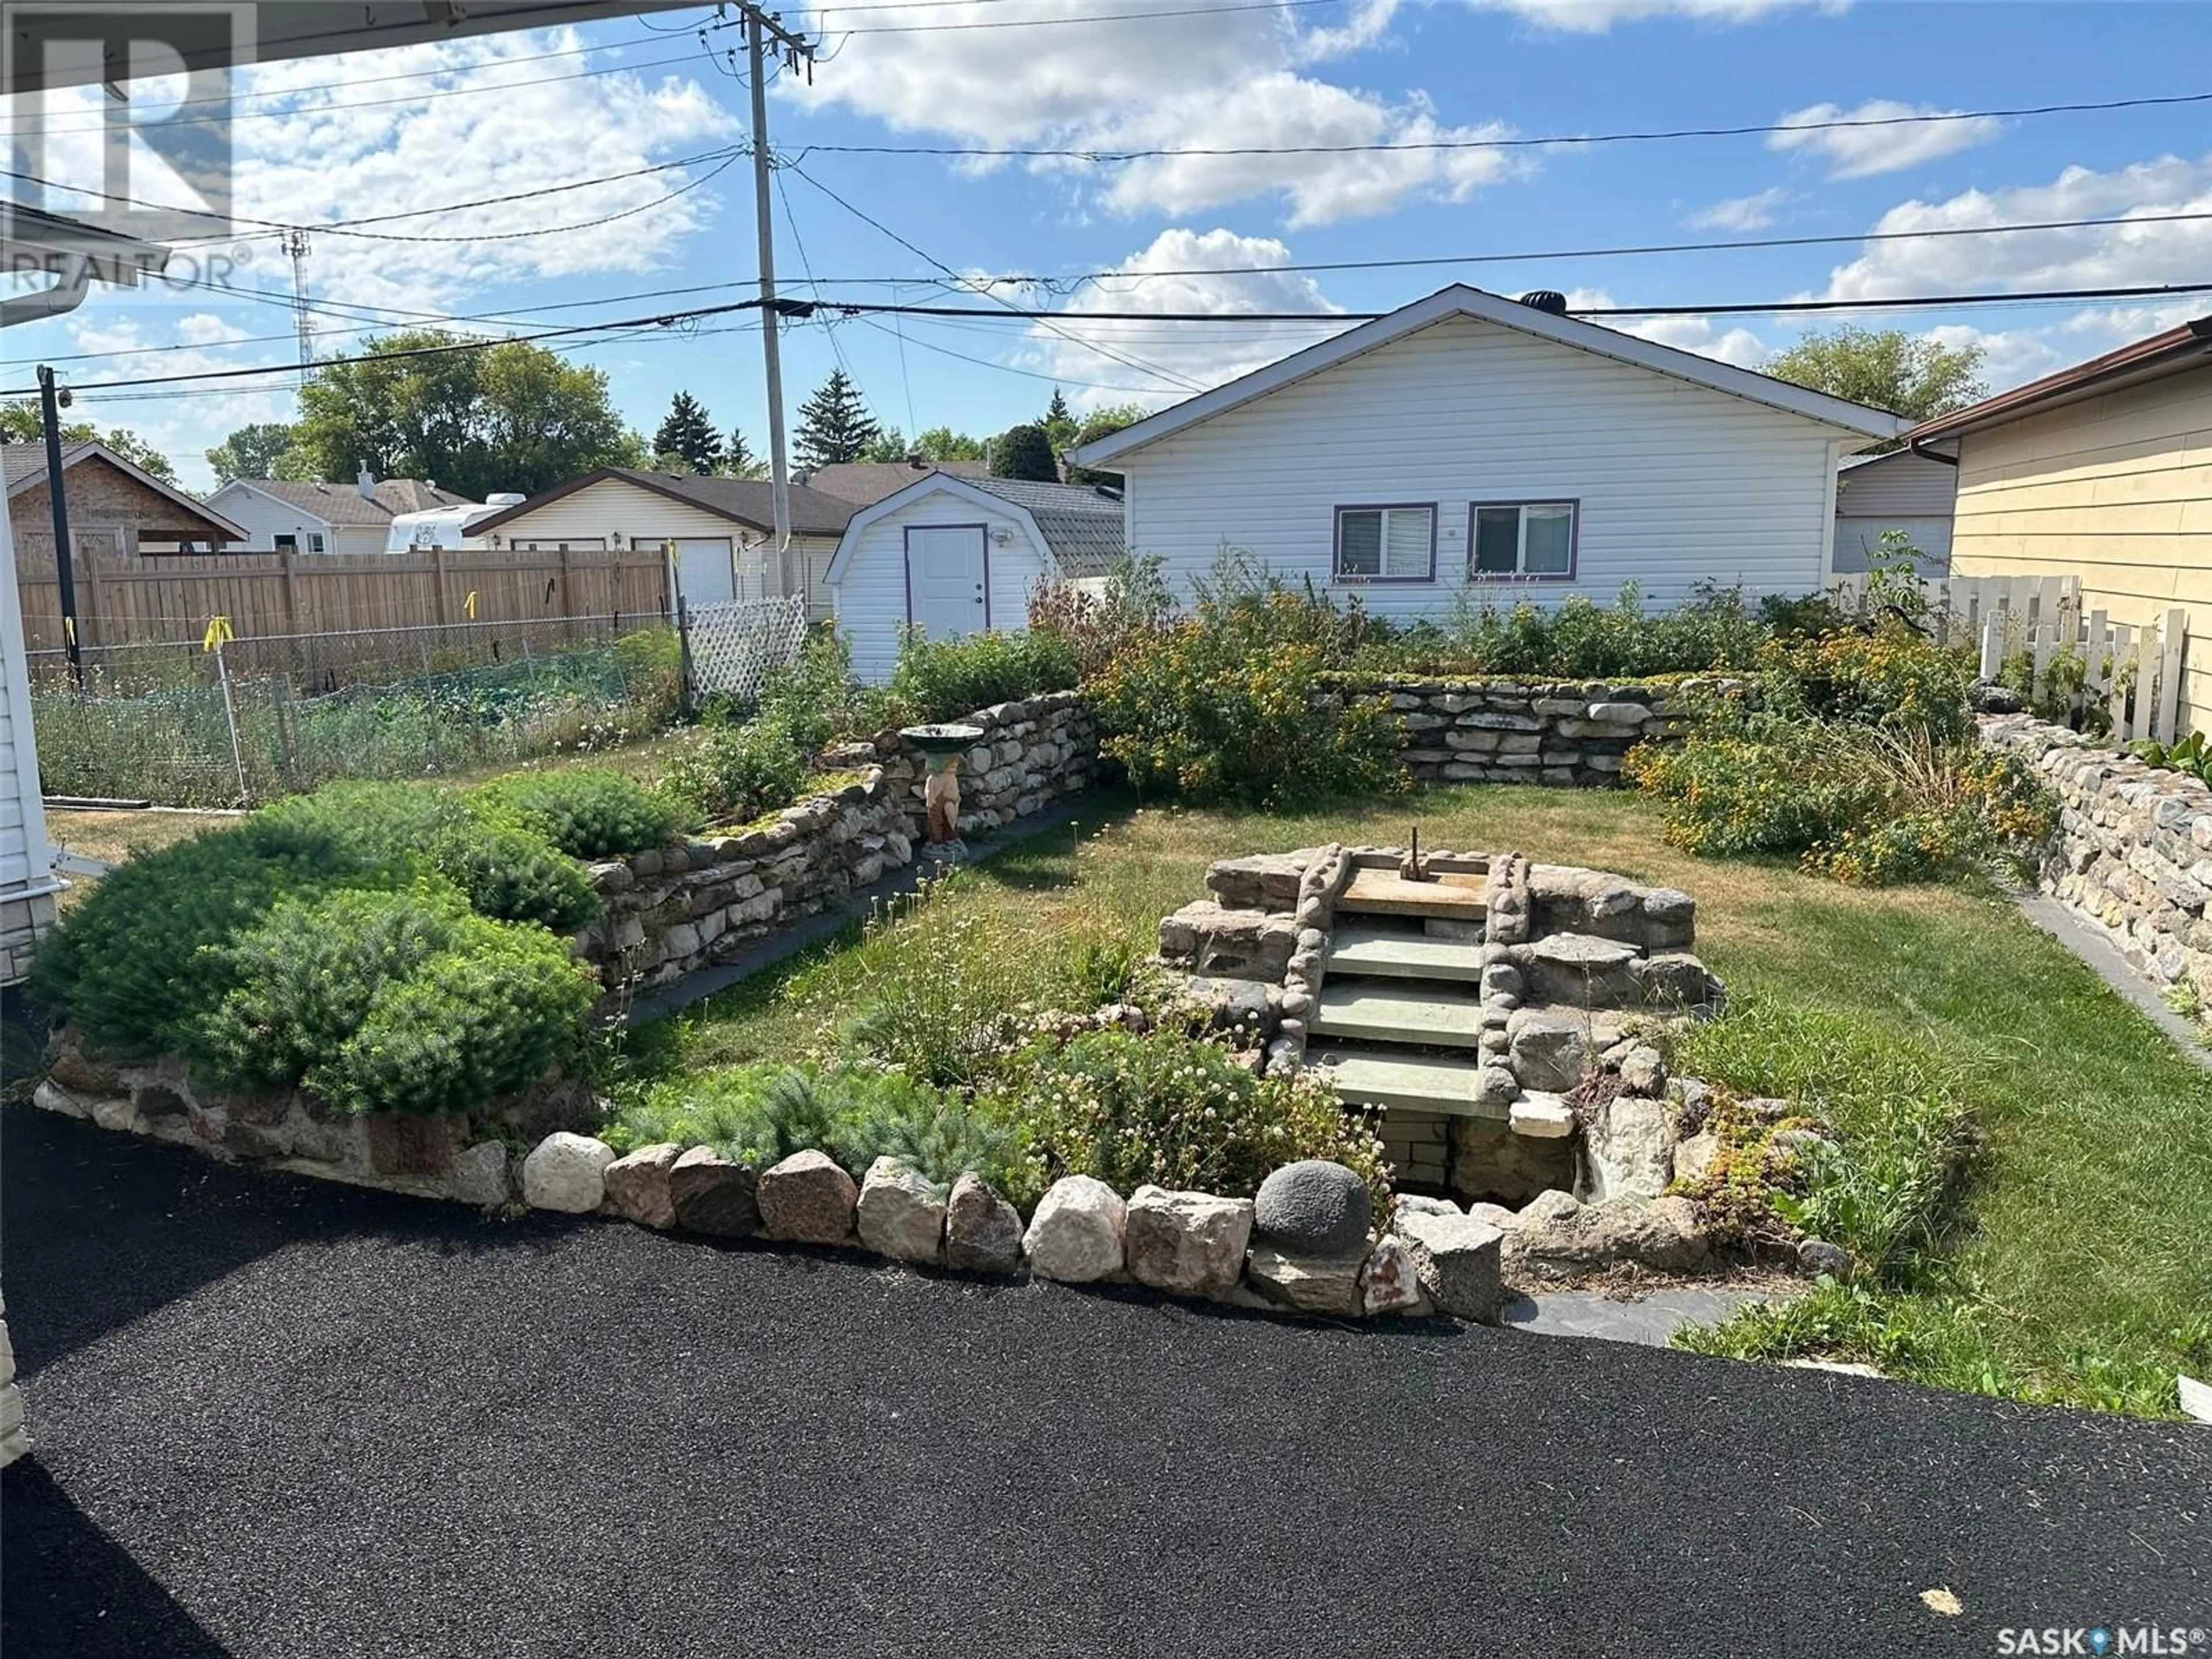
{"x": 1386, "y": 955}
{"x": 1385, "y": 893}
{"x": 1384, "y": 1012}
{"x": 1401, "y": 1082}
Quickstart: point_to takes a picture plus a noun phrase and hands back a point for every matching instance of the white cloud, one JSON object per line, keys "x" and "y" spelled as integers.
{"x": 1861, "y": 152}
{"x": 204, "y": 328}
{"x": 1225, "y": 80}
{"x": 1726, "y": 344}
{"x": 2130, "y": 254}
{"x": 1177, "y": 358}
{"x": 1596, "y": 17}
{"x": 1739, "y": 212}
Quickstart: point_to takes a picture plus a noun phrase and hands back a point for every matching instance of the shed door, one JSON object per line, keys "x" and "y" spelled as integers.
{"x": 945, "y": 579}
{"x": 704, "y": 570}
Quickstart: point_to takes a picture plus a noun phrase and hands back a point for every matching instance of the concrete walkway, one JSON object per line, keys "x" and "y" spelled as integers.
{"x": 2108, "y": 965}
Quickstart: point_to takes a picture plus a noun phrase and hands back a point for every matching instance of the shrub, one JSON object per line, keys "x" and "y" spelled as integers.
{"x": 1132, "y": 604}
{"x": 137, "y": 966}
{"x": 393, "y": 1001}
{"x": 730, "y": 774}
{"x": 1713, "y": 630}
{"x": 814, "y": 698}
{"x": 587, "y": 815}
{"x": 1228, "y": 703}
{"x": 1173, "y": 1109}
{"x": 1891, "y": 679}
{"x": 938, "y": 679}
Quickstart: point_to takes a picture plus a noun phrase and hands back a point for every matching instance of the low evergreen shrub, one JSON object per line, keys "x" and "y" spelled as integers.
{"x": 586, "y": 814}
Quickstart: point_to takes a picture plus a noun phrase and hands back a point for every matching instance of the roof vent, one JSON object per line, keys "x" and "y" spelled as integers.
{"x": 1546, "y": 299}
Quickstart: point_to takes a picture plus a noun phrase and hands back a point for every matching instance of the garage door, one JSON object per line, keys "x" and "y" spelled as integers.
{"x": 704, "y": 570}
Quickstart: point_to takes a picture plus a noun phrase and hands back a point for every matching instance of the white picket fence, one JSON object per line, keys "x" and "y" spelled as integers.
{"x": 2133, "y": 671}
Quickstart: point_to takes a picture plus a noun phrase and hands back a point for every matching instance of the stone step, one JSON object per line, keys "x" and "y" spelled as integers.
{"x": 1400, "y": 1082}
{"x": 1374, "y": 1012}
{"x": 1386, "y": 955}
{"x": 1451, "y": 898}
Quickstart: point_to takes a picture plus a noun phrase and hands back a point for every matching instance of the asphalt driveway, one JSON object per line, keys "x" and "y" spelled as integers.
{"x": 281, "y": 1417}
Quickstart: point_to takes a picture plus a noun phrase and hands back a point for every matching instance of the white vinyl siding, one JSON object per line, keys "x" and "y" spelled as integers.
{"x": 871, "y": 599}
{"x": 1676, "y": 483}
{"x": 26, "y": 860}
{"x": 265, "y": 519}
{"x": 1899, "y": 491}
{"x": 1385, "y": 544}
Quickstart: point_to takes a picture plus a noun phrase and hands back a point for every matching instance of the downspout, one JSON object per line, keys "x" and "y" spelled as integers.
{"x": 1914, "y": 445}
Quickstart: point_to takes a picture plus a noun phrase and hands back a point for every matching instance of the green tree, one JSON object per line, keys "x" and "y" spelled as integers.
{"x": 942, "y": 443}
{"x": 888, "y": 445}
{"x": 739, "y": 460}
{"x": 256, "y": 451}
{"x": 687, "y": 432}
{"x": 1024, "y": 452}
{"x": 1101, "y": 424}
{"x": 1885, "y": 368}
{"x": 1059, "y": 422}
{"x": 21, "y": 423}
{"x": 509, "y": 415}
{"x": 833, "y": 424}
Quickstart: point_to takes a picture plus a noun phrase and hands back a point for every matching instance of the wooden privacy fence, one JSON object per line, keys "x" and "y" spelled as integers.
{"x": 2135, "y": 672}
{"x": 129, "y": 600}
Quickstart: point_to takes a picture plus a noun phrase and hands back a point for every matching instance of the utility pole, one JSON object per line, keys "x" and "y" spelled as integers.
{"x": 295, "y": 244}
{"x": 50, "y": 412}
{"x": 794, "y": 49}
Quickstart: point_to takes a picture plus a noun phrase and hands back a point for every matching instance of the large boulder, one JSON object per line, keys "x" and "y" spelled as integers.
{"x": 1314, "y": 1208}
{"x": 1581, "y": 971}
{"x": 1076, "y": 1234}
{"x": 1631, "y": 1147}
{"x": 807, "y": 1200}
{"x": 1263, "y": 881}
{"x": 1308, "y": 1283}
{"x": 1187, "y": 1243}
{"x": 567, "y": 1172}
{"x": 1665, "y": 1236}
{"x": 982, "y": 1232}
{"x": 479, "y": 1175}
{"x": 1550, "y": 1052}
{"x": 1229, "y": 943}
{"x": 637, "y": 1184}
{"x": 901, "y": 1214}
{"x": 1458, "y": 1260}
{"x": 712, "y": 1195}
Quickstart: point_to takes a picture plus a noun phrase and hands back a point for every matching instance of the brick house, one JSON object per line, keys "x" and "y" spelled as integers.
{"x": 113, "y": 505}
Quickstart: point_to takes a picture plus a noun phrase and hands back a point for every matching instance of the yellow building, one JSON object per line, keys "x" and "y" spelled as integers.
{"x": 2103, "y": 470}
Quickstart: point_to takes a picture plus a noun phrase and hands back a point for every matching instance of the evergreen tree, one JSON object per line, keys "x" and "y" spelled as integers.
{"x": 688, "y": 433}
{"x": 1101, "y": 424}
{"x": 739, "y": 460}
{"x": 1024, "y": 452}
{"x": 1058, "y": 422}
{"x": 833, "y": 424}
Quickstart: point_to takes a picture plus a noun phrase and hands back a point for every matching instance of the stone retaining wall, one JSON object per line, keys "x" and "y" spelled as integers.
{"x": 2133, "y": 854}
{"x": 672, "y": 910}
{"x": 1571, "y": 733}
{"x": 14, "y": 1441}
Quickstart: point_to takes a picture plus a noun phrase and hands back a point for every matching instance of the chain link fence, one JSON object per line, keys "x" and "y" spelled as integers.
{"x": 184, "y": 724}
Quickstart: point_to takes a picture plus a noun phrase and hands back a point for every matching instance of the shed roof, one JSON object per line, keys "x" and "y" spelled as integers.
{"x": 1081, "y": 524}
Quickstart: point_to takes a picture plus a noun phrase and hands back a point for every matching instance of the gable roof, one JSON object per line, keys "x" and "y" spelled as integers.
{"x": 25, "y": 466}
{"x": 1460, "y": 301}
{"x": 338, "y": 504}
{"x": 866, "y": 482}
{"x": 2173, "y": 352}
{"x": 747, "y": 502}
{"x": 1079, "y": 527}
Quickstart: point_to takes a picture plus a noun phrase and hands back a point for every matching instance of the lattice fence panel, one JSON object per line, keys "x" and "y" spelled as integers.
{"x": 732, "y": 647}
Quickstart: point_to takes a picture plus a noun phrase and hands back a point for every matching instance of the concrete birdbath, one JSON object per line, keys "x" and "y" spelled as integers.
{"x": 942, "y": 747}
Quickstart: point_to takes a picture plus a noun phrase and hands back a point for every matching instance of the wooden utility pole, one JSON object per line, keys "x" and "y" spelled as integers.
{"x": 50, "y": 411}
{"x": 760, "y": 28}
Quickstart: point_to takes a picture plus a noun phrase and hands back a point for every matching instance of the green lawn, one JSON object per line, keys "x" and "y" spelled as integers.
{"x": 2069, "y": 1257}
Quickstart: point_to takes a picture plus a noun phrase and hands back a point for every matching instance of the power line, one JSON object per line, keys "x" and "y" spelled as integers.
{"x": 866, "y": 308}
{"x": 1841, "y": 124}
{"x": 1083, "y": 17}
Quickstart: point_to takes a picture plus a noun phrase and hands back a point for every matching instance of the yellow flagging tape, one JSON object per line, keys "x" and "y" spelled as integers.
{"x": 469, "y": 604}
{"x": 218, "y": 633}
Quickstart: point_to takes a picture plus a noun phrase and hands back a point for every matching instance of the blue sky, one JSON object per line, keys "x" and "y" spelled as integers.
{"x": 325, "y": 144}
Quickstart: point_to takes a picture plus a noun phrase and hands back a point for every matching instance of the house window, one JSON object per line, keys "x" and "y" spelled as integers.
{"x": 1386, "y": 543}
{"x": 288, "y": 543}
{"x": 314, "y": 543}
{"x": 1536, "y": 539}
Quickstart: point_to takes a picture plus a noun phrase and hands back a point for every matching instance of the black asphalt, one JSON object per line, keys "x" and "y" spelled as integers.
{"x": 279, "y": 1417}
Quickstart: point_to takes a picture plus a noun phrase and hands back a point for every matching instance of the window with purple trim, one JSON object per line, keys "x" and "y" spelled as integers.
{"x": 1386, "y": 543}
{"x": 1522, "y": 539}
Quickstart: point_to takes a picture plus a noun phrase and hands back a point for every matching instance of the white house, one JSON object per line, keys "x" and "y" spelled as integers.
{"x": 1469, "y": 438}
{"x": 285, "y": 515}
{"x": 1902, "y": 490}
{"x": 719, "y": 532}
{"x": 955, "y": 555}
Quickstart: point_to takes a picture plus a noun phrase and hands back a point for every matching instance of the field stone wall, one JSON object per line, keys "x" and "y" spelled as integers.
{"x": 2133, "y": 854}
{"x": 672, "y": 910}
{"x": 1570, "y": 733}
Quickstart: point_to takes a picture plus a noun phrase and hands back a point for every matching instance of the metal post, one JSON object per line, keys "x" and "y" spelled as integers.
{"x": 779, "y": 464}
{"x": 230, "y": 714}
{"x": 58, "y": 498}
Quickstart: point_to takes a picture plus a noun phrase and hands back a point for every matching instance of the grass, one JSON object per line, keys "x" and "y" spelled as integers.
{"x": 2060, "y": 1256}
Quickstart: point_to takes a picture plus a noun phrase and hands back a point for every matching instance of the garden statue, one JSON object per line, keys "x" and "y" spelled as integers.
{"x": 942, "y": 748}
{"x": 940, "y": 799}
